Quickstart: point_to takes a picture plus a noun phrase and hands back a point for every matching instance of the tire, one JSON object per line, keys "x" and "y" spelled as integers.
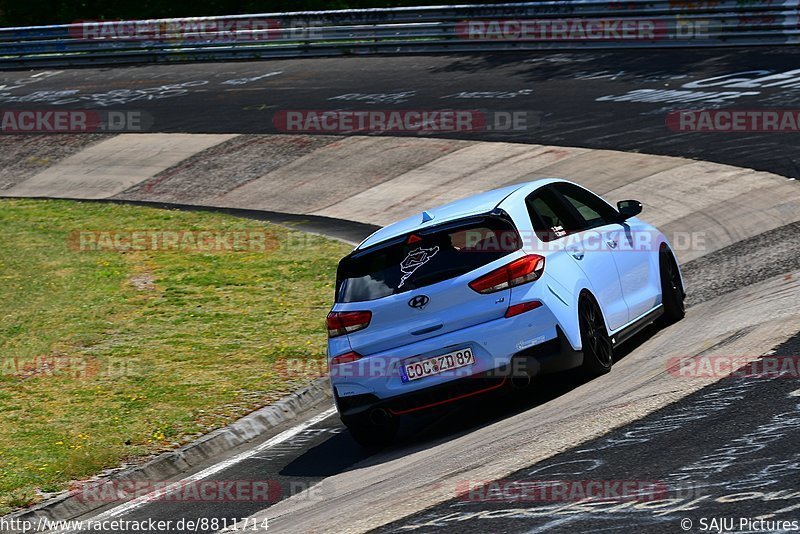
{"x": 370, "y": 435}
{"x": 672, "y": 294}
{"x": 598, "y": 351}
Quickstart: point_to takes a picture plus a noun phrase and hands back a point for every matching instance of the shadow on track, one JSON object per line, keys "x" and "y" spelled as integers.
{"x": 340, "y": 452}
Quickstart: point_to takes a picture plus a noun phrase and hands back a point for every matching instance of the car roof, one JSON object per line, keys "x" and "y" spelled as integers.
{"x": 465, "y": 207}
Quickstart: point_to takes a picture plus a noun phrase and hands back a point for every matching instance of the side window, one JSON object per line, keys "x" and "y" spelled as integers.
{"x": 593, "y": 210}
{"x": 550, "y": 217}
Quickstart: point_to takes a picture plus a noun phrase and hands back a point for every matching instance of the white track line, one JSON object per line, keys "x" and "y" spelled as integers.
{"x": 138, "y": 502}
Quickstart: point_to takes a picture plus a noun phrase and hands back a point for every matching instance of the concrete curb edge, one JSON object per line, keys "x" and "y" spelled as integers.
{"x": 70, "y": 505}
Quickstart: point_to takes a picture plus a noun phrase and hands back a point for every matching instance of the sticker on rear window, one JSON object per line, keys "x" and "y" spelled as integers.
{"x": 415, "y": 259}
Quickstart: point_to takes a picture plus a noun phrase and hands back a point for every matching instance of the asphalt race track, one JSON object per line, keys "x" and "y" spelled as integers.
{"x": 726, "y": 451}
{"x": 615, "y": 100}
{"x": 597, "y": 99}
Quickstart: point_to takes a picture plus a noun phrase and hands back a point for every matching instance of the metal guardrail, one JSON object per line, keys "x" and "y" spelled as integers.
{"x": 468, "y": 28}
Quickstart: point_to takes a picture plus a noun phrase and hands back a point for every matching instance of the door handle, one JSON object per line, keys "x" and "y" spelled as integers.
{"x": 577, "y": 254}
{"x": 611, "y": 243}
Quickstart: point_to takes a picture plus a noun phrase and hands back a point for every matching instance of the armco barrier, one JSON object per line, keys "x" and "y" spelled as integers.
{"x": 488, "y": 27}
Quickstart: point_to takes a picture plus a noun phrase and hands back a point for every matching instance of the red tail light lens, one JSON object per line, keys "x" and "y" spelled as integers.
{"x": 341, "y": 323}
{"x": 347, "y": 357}
{"x": 522, "y": 307}
{"x": 525, "y": 269}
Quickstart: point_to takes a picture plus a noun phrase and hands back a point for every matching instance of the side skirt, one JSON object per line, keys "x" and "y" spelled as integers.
{"x": 636, "y": 326}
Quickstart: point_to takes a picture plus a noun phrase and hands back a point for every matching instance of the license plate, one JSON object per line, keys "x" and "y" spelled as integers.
{"x": 437, "y": 364}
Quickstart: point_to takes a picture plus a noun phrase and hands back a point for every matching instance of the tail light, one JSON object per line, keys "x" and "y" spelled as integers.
{"x": 341, "y": 323}
{"x": 521, "y": 271}
{"x": 347, "y": 357}
{"x": 522, "y": 307}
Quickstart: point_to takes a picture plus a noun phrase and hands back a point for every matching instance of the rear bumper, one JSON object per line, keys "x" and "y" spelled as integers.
{"x": 551, "y": 356}
{"x": 493, "y": 345}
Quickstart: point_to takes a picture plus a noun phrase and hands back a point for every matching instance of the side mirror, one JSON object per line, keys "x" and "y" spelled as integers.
{"x": 629, "y": 208}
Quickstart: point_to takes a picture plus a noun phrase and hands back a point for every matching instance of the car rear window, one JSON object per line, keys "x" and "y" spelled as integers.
{"x": 423, "y": 258}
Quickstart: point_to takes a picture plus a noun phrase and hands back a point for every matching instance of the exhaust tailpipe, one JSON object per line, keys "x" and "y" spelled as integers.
{"x": 521, "y": 382}
{"x": 379, "y": 417}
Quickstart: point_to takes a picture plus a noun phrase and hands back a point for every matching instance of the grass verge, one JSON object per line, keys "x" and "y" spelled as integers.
{"x": 108, "y": 356}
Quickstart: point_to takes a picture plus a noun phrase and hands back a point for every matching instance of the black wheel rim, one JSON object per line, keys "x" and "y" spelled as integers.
{"x": 595, "y": 333}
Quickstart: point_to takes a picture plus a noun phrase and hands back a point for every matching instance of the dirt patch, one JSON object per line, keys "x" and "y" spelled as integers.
{"x": 143, "y": 281}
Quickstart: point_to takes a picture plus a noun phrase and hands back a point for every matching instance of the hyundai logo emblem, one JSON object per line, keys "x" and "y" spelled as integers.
{"x": 419, "y": 301}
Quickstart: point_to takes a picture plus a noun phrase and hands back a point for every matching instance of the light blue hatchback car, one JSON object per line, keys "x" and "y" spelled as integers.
{"x": 491, "y": 290}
